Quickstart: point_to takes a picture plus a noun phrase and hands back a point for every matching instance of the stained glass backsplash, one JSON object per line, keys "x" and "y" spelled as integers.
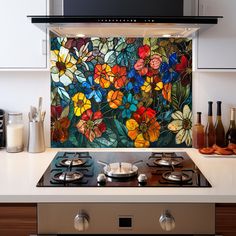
{"x": 121, "y": 92}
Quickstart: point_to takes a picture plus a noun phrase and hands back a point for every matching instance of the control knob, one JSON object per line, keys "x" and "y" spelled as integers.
{"x": 101, "y": 179}
{"x": 81, "y": 221}
{"x": 167, "y": 221}
{"x": 142, "y": 179}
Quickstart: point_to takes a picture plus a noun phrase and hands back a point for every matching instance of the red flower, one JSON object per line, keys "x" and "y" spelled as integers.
{"x": 91, "y": 125}
{"x": 147, "y": 65}
{"x": 144, "y": 51}
{"x": 73, "y": 43}
{"x": 143, "y": 128}
{"x": 184, "y": 68}
{"x": 141, "y": 67}
{"x": 59, "y": 125}
{"x": 144, "y": 114}
{"x": 155, "y": 61}
{"x": 119, "y": 76}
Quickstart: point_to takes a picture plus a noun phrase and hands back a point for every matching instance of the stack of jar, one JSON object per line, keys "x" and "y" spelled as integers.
{"x": 214, "y": 133}
{"x": 11, "y": 134}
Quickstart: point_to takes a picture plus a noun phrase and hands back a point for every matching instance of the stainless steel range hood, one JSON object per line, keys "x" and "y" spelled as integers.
{"x": 129, "y": 18}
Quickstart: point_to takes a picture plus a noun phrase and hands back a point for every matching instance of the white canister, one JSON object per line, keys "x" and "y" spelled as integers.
{"x": 15, "y": 130}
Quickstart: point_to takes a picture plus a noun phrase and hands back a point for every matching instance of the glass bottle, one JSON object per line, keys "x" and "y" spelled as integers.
{"x": 2, "y": 129}
{"x": 210, "y": 136}
{"x": 198, "y": 133}
{"x": 219, "y": 128}
{"x": 231, "y": 133}
{"x": 15, "y": 129}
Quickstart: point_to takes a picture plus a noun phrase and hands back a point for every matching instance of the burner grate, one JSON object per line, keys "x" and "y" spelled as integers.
{"x": 163, "y": 159}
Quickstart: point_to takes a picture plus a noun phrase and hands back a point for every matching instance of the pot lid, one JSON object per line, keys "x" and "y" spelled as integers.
{"x": 120, "y": 170}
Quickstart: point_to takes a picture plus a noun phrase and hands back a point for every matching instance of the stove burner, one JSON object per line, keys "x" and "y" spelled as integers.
{"x": 176, "y": 176}
{"x": 68, "y": 176}
{"x": 72, "y": 162}
{"x": 164, "y": 159}
{"x": 166, "y": 162}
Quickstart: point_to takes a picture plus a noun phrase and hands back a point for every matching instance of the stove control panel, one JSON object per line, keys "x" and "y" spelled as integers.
{"x": 125, "y": 222}
{"x": 126, "y": 218}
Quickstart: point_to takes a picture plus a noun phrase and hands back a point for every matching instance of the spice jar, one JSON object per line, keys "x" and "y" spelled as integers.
{"x": 15, "y": 129}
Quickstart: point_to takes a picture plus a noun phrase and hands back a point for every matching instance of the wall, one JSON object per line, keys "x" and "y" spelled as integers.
{"x": 217, "y": 86}
{"x": 19, "y": 90}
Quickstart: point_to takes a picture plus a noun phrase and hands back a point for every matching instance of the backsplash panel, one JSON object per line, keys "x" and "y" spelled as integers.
{"x": 121, "y": 92}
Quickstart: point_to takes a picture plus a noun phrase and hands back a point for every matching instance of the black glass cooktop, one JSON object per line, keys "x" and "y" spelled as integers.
{"x": 81, "y": 169}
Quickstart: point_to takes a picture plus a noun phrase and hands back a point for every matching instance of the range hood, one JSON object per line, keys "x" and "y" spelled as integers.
{"x": 128, "y": 18}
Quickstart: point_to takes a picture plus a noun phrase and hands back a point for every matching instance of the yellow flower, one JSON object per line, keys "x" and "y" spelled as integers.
{"x": 147, "y": 86}
{"x": 159, "y": 86}
{"x": 63, "y": 66}
{"x": 81, "y": 104}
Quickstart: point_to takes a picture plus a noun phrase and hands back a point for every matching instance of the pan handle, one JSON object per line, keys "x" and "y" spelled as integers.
{"x": 136, "y": 162}
{"x": 103, "y": 163}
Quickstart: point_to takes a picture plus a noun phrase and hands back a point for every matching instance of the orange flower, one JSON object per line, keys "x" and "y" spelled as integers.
{"x": 103, "y": 75}
{"x": 166, "y": 92}
{"x": 119, "y": 76}
{"x": 114, "y": 98}
{"x": 143, "y": 128}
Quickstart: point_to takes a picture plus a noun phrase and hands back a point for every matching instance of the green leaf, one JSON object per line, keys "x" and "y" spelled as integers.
{"x": 121, "y": 128}
{"x": 109, "y": 141}
{"x": 63, "y": 94}
{"x": 161, "y": 51}
{"x": 110, "y": 58}
{"x": 125, "y": 142}
{"x": 54, "y": 95}
{"x": 65, "y": 112}
{"x": 179, "y": 94}
{"x": 121, "y": 46}
{"x": 71, "y": 111}
{"x": 80, "y": 76}
{"x": 73, "y": 140}
{"x": 165, "y": 139}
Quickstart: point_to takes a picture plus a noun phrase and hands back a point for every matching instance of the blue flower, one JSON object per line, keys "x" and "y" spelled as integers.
{"x": 92, "y": 89}
{"x": 129, "y": 105}
{"x": 135, "y": 82}
{"x": 167, "y": 70}
{"x": 125, "y": 53}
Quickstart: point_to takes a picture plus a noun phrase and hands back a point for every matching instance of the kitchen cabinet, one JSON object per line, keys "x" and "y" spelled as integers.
{"x": 226, "y": 219}
{"x": 23, "y": 45}
{"x": 216, "y": 48}
{"x": 18, "y": 219}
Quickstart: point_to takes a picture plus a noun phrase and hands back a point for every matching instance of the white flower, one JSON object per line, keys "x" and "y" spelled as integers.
{"x": 62, "y": 66}
{"x": 182, "y": 125}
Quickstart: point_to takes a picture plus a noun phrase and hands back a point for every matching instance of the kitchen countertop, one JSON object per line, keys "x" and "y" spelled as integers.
{"x": 20, "y": 172}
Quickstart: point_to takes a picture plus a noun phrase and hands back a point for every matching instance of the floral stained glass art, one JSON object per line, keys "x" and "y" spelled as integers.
{"x": 121, "y": 92}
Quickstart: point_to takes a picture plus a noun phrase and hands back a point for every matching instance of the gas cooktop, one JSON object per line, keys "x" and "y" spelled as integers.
{"x": 122, "y": 169}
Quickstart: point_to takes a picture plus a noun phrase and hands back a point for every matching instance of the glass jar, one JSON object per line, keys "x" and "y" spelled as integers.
{"x": 15, "y": 129}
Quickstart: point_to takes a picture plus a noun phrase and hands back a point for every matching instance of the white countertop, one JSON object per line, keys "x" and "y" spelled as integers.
{"x": 20, "y": 172}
